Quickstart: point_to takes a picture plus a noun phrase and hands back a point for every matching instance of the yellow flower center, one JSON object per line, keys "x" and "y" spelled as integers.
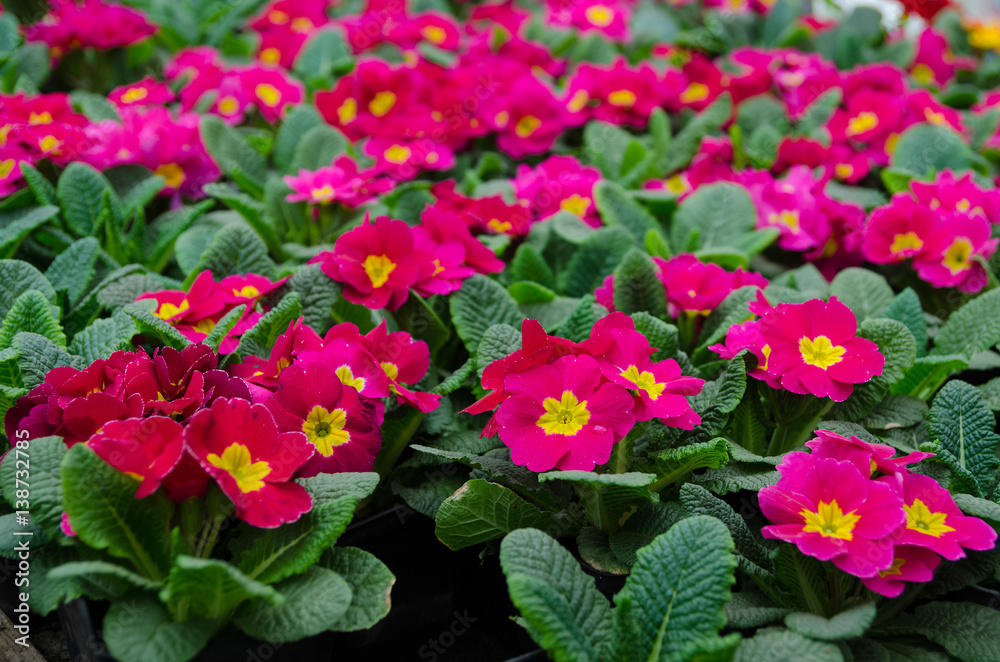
{"x": 644, "y": 381}
{"x": 434, "y": 34}
{"x": 895, "y": 569}
{"x": 599, "y": 16}
{"x": 958, "y": 257}
{"x": 40, "y": 118}
{"x": 398, "y": 154}
{"x": 963, "y": 205}
{"x": 985, "y": 36}
{"x": 49, "y": 144}
{"x": 382, "y": 103}
{"x": 890, "y": 143}
{"x": 135, "y": 94}
{"x": 391, "y": 370}
{"x": 168, "y": 310}
{"x": 270, "y": 55}
{"x": 678, "y": 184}
{"x": 843, "y": 170}
{"x": 6, "y": 167}
{"x": 228, "y": 106}
{"x": 268, "y": 94}
{"x": 236, "y": 460}
{"x": 694, "y": 92}
{"x": 933, "y": 117}
{"x": 622, "y": 98}
{"x": 378, "y": 268}
{"x": 324, "y": 193}
{"x": 830, "y": 521}
{"x": 278, "y": 17}
{"x": 820, "y": 352}
{"x": 302, "y": 25}
{"x": 789, "y": 218}
{"x": 906, "y": 242}
{"x": 172, "y": 173}
{"x": 920, "y": 518}
{"x": 325, "y": 429}
{"x": 438, "y": 267}
{"x": 923, "y": 74}
{"x": 575, "y": 204}
{"x": 346, "y": 377}
{"x": 502, "y": 118}
{"x": 862, "y": 122}
{"x": 247, "y": 292}
{"x": 497, "y": 225}
{"x": 766, "y": 351}
{"x": 578, "y": 101}
{"x": 526, "y": 126}
{"x": 565, "y": 416}
{"x": 347, "y": 111}
{"x": 203, "y": 326}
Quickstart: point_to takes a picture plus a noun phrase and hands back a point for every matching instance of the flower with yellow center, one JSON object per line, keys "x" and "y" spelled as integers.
{"x": 348, "y": 111}
{"x": 843, "y": 170}
{"x": 237, "y": 462}
{"x": 895, "y": 569}
{"x": 564, "y": 416}
{"x": 270, "y": 55}
{"x": 382, "y": 103}
{"x": 325, "y": 429}
{"x": 277, "y": 17}
{"x": 378, "y": 268}
{"x": 820, "y": 352}
{"x": 575, "y": 204}
{"x": 830, "y": 521}
{"x": 906, "y": 241}
{"x": 963, "y": 205}
{"x": 622, "y": 98}
{"x": 861, "y": 123}
{"x": 788, "y": 217}
{"x": 677, "y": 184}
{"x": 205, "y": 326}
{"x": 920, "y": 518}
{"x": 346, "y": 377}
{"x": 6, "y": 167}
{"x": 644, "y": 381}
{"x": 985, "y": 36}
{"x": 694, "y": 92}
{"x": 578, "y": 101}
{"x": 934, "y": 117}
{"x": 228, "y": 106}
{"x": 172, "y": 174}
{"x": 135, "y": 94}
{"x": 247, "y": 292}
{"x": 40, "y": 118}
{"x": 502, "y": 118}
{"x": 268, "y": 94}
{"x": 391, "y": 370}
{"x": 499, "y": 226}
{"x": 434, "y": 34}
{"x": 599, "y": 16}
{"x": 526, "y": 126}
{"x": 50, "y": 144}
{"x": 958, "y": 257}
{"x": 169, "y": 310}
{"x": 323, "y": 194}
{"x": 398, "y": 154}
{"x": 923, "y": 74}
{"x": 890, "y": 143}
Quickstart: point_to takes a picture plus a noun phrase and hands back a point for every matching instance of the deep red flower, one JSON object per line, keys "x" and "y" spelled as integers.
{"x": 145, "y": 448}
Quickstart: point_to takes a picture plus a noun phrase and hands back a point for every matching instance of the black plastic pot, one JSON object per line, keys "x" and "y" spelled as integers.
{"x": 446, "y": 606}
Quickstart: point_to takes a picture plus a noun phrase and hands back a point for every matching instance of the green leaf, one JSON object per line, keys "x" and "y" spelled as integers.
{"x": 971, "y": 329}
{"x": 562, "y": 609}
{"x": 968, "y": 631}
{"x": 42, "y": 188}
{"x": 371, "y": 586}
{"x": 16, "y": 225}
{"x": 330, "y": 487}
{"x": 37, "y": 355}
{"x": 927, "y": 375}
{"x": 713, "y": 216}
{"x": 896, "y": 411}
{"x": 688, "y": 140}
{"x": 776, "y": 645}
{"x": 675, "y": 464}
{"x": 605, "y": 145}
{"x": 607, "y": 498}
{"x": 676, "y": 592}
{"x": 594, "y": 260}
{"x": 148, "y": 323}
{"x": 163, "y": 233}
{"x": 270, "y": 555}
{"x": 638, "y": 288}
{"x": 640, "y": 528}
{"x": 617, "y": 207}
{"x": 318, "y": 148}
{"x": 234, "y": 154}
{"x": 751, "y": 553}
{"x": 906, "y": 309}
{"x": 318, "y": 294}
{"x": 845, "y": 625}
{"x": 581, "y": 320}
{"x": 101, "y": 571}
{"x": 737, "y": 476}
{"x": 44, "y": 455}
{"x": 865, "y": 292}
{"x": 73, "y": 269}
{"x": 481, "y": 303}
{"x": 294, "y": 126}
{"x": 325, "y": 52}
{"x": 529, "y": 265}
{"x": 976, "y": 507}
{"x": 662, "y": 337}
{"x": 750, "y": 609}
{"x": 895, "y": 342}
{"x": 151, "y": 634}
{"x": 31, "y": 313}
{"x": 747, "y": 422}
{"x": 210, "y": 588}
{"x": 499, "y": 341}
{"x": 418, "y": 316}
{"x": 16, "y": 278}
{"x": 260, "y": 338}
{"x": 912, "y": 155}
{"x": 315, "y": 600}
{"x": 252, "y": 212}
{"x": 481, "y": 511}
{"x": 803, "y": 576}
{"x": 80, "y": 190}
{"x": 101, "y": 505}
{"x": 594, "y": 546}
{"x": 965, "y": 427}
{"x": 235, "y": 250}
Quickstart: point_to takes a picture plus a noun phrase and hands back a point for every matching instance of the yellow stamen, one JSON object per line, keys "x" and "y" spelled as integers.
{"x": 325, "y": 429}
{"x": 565, "y": 416}
{"x": 820, "y": 352}
{"x": 920, "y": 518}
{"x": 830, "y": 521}
{"x": 644, "y": 381}
{"x": 236, "y": 460}
{"x": 378, "y": 268}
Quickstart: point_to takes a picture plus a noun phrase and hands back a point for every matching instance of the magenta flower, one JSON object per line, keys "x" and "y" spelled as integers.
{"x": 340, "y": 182}
{"x": 954, "y": 263}
{"x": 696, "y": 287}
{"x": 561, "y": 416}
{"x": 909, "y": 564}
{"x": 834, "y": 513}
{"x": 899, "y": 230}
{"x": 559, "y": 183}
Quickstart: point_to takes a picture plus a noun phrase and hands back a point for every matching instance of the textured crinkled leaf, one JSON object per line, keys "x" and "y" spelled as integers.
{"x": 966, "y": 427}
{"x": 564, "y": 611}
{"x": 687, "y": 141}
{"x": 148, "y": 323}
{"x": 223, "y": 327}
{"x": 752, "y": 554}
{"x": 677, "y": 589}
{"x": 105, "y": 514}
{"x": 123, "y": 291}
{"x": 968, "y": 631}
{"x": 371, "y": 584}
{"x": 896, "y": 344}
{"x": 751, "y": 610}
{"x": 927, "y": 374}
{"x": 617, "y": 207}
{"x": 640, "y": 528}
{"x": 73, "y": 269}
{"x": 481, "y": 303}
{"x": 455, "y": 379}
{"x": 233, "y": 153}
{"x": 31, "y": 313}
{"x": 37, "y": 355}
{"x": 638, "y": 288}
{"x": 971, "y": 329}
{"x": 315, "y": 600}
{"x": 595, "y": 550}
{"x": 607, "y": 498}
{"x": 104, "y": 337}
{"x": 162, "y": 233}
{"x": 802, "y": 576}
{"x": 318, "y": 148}
{"x": 845, "y": 625}
{"x": 16, "y": 278}
{"x": 976, "y": 507}
{"x": 662, "y": 337}
{"x": 594, "y": 260}
{"x": 294, "y": 126}
{"x": 328, "y": 487}
{"x": 211, "y": 588}
{"x": 44, "y": 456}
{"x": 780, "y": 645}
{"x": 529, "y": 265}
{"x": 865, "y": 292}
{"x": 318, "y": 293}
{"x": 716, "y": 214}
{"x": 152, "y": 635}
{"x": 674, "y": 464}
{"x": 42, "y": 188}
{"x": 928, "y": 148}
{"x": 498, "y": 341}
{"x": 732, "y": 310}
{"x": 737, "y": 476}
{"x": 906, "y": 309}
{"x": 236, "y": 250}
{"x": 481, "y": 511}
{"x": 896, "y": 411}
{"x": 270, "y": 555}
{"x": 80, "y": 190}
{"x": 101, "y": 571}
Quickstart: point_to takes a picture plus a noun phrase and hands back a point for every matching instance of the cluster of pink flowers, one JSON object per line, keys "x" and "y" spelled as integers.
{"x": 176, "y": 421}
{"x": 564, "y": 405}
{"x": 693, "y": 287}
{"x": 853, "y": 503}
{"x": 233, "y": 89}
{"x": 944, "y": 226}
{"x": 196, "y": 312}
{"x": 341, "y": 181}
{"x": 89, "y": 24}
{"x": 380, "y": 262}
{"x": 37, "y": 127}
{"x": 809, "y": 347}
